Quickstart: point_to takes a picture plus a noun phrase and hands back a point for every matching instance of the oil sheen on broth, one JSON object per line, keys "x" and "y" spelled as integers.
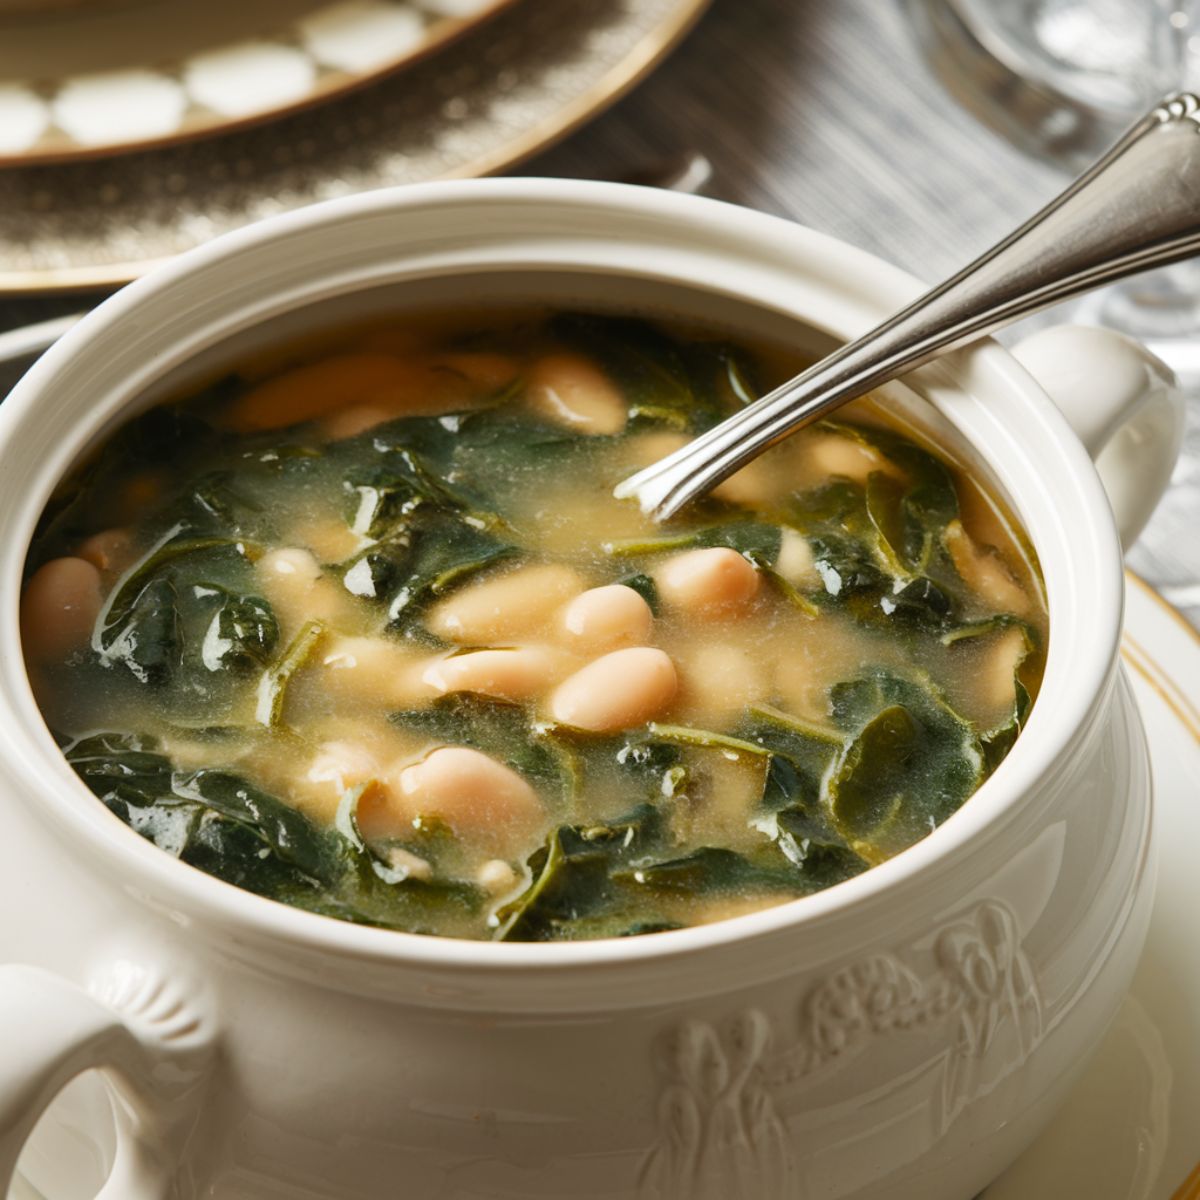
{"x": 362, "y": 629}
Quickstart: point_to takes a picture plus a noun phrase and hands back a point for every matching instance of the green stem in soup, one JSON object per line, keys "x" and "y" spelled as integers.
{"x": 272, "y": 687}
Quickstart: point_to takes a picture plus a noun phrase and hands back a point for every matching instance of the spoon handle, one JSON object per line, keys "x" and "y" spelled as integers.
{"x": 1137, "y": 207}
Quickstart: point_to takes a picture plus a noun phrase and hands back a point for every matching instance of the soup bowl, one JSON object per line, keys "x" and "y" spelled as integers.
{"x": 905, "y": 1033}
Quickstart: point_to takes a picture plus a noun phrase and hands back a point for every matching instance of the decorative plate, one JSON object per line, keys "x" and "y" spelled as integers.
{"x": 113, "y": 76}
{"x": 498, "y": 94}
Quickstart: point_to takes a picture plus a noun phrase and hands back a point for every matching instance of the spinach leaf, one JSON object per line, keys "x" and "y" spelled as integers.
{"x": 241, "y": 632}
{"x": 219, "y": 823}
{"x": 393, "y": 488}
{"x": 215, "y": 506}
{"x": 878, "y": 548}
{"x": 801, "y": 755}
{"x": 646, "y": 588}
{"x": 121, "y": 767}
{"x": 285, "y": 831}
{"x": 134, "y": 779}
{"x": 816, "y": 850}
{"x": 140, "y": 624}
{"x": 921, "y": 601}
{"x": 794, "y": 816}
{"x": 910, "y": 763}
{"x": 885, "y": 507}
{"x": 364, "y": 897}
{"x": 784, "y": 587}
{"x": 854, "y": 579}
{"x": 998, "y": 740}
{"x": 570, "y": 880}
{"x": 158, "y": 437}
{"x": 572, "y": 892}
{"x": 376, "y": 573}
{"x": 234, "y": 852}
{"x": 989, "y": 625}
{"x": 686, "y": 735}
{"x": 148, "y": 639}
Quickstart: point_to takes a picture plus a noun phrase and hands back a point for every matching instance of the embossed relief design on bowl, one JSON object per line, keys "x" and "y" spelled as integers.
{"x": 719, "y": 1129}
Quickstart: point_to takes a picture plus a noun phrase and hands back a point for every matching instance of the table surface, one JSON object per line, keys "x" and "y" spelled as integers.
{"x": 825, "y": 111}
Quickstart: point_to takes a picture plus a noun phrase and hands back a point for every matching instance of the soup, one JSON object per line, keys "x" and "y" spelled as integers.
{"x": 362, "y": 629}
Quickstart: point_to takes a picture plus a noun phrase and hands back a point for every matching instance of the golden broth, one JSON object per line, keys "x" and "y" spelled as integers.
{"x": 363, "y": 629}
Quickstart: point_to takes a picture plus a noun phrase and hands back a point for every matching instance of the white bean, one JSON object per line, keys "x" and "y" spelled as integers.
{"x": 316, "y": 390}
{"x": 59, "y": 608}
{"x": 719, "y": 680}
{"x": 343, "y": 764}
{"x": 486, "y": 370}
{"x": 605, "y": 617}
{"x": 335, "y": 767}
{"x": 834, "y": 454}
{"x": 573, "y": 391}
{"x": 504, "y": 606}
{"x": 292, "y": 580}
{"x": 514, "y": 674}
{"x": 374, "y": 673}
{"x": 476, "y": 796}
{"x": 984, "y": 571}
{"x": 753, "y": 484}
{"x": 795, "y": 561}
{"x": 496, "y": 876}
{"x": 411, "y": 866}
{"x": 111, "y": 550}
{"x": 330, "y": 539}
{"x": 709, "y": 581}
{"x": 350, "y": 422}
{"x": 617, "y": 691}
{"x": 296, "y": 567}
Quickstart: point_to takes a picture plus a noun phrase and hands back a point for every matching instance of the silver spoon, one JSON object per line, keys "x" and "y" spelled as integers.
{"x": 1138, "y": 207}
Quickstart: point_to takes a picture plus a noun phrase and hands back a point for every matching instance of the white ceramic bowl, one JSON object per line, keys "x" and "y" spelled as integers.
{"x": 903, "y": 1034}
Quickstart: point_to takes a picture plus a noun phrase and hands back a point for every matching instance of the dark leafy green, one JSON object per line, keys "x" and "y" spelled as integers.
{"x": 646, "y": 588}
{"x": 220, "y": 823}
{"x": 910, "y": 763}
{"x": 140, "y": 627}
{"x": 242, "y": 631}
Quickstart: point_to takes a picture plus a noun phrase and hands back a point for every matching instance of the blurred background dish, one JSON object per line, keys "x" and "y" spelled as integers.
{"x": 495, "y": 96}
{"x": 1062, "y": 80}
{"x": 117, "y": 74}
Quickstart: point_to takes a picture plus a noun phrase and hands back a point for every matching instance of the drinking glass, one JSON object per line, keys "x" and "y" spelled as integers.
{"x": 1062, "y": 79}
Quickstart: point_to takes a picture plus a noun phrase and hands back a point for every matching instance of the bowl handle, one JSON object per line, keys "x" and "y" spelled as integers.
{"x": 152, "y": 1047}
{"x": 1124, "y": 404}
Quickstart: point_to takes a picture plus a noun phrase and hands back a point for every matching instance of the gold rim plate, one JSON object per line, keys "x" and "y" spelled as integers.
{"x": 496, "y": 95}
{"x": 118, "y": 75}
